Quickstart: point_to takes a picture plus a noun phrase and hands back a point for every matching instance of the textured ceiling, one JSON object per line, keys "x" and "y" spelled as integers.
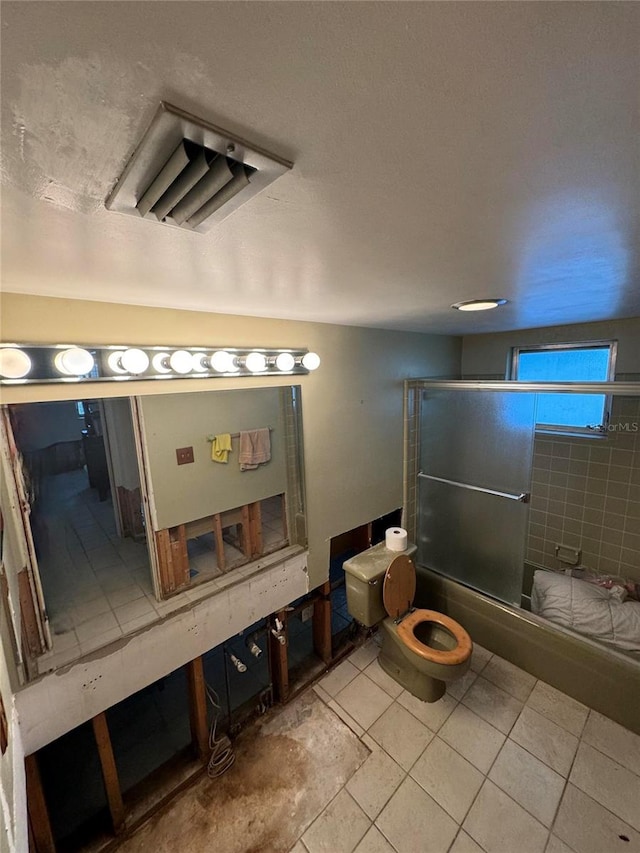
{"x": 442, "y": 151}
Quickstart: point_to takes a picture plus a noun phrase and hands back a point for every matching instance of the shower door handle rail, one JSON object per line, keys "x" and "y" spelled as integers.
{"x": 523, "y": 497}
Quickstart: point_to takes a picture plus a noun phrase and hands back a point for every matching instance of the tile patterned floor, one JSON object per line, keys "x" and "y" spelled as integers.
{"x": 503, "y": 763}
{"x": 97, "y": 586}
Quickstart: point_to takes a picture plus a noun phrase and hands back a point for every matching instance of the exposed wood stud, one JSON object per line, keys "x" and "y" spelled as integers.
{"x": 322, "y": 623}
{"x": 173, "y": 558}
{"x": 279, "y": 658}
{"x": 164, "y": 564}
{"x": 198, "y": 708}
{"x": 217, "y": 531}
{"x": 109, "y": 771}
{"x": 255, "y": 529}
{"x": 40, "y": 834}
{"x": 245, "y": 532}
{"x": 179, "y": 556}
{"x": 129, "y": 502}
{"x": 285, "y": 531}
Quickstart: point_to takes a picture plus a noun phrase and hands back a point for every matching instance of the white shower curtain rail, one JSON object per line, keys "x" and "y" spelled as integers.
{"x": 523, "y": 497}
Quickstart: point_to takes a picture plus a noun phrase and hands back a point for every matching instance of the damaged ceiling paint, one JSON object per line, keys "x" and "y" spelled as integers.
{"x": 442, "y": 152}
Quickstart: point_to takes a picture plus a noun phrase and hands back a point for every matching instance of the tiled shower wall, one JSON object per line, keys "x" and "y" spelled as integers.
{"x": 411, "y": 435}
{"x": 585, "y": 494}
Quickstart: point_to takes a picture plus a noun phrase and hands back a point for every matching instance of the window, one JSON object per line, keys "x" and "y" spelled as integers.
{"x": 584, "y": 362}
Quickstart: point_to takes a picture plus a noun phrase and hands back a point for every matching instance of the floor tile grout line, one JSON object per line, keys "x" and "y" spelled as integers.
{"x": 407, "y": 773}
{"x": 606, "y": 755}
{"x": 508, "y": 692}
{"x": 586, "y": 794}
{"x": 392, "y": 794}
{"x": 605, "y": 808}
{"x": 490, "y": 768}
{"x": 535, "y": 817}
{"x": 551, "y": 719}
{"x": 342, "y": 788}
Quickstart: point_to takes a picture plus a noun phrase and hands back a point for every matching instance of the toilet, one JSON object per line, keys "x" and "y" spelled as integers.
{"x": 422, "y": 650}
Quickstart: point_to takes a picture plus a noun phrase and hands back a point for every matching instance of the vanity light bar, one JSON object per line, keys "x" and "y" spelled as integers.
{"x": 45, "y": 363}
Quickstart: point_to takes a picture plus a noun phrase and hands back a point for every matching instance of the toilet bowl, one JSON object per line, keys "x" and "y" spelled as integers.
{"x": 422, "y": 650}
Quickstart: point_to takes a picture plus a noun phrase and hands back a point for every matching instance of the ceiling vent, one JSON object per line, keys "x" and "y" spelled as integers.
{"x": 189, "y": 174}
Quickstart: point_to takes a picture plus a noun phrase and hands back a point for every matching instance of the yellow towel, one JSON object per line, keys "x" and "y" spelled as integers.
{"x": 220, "y": 447}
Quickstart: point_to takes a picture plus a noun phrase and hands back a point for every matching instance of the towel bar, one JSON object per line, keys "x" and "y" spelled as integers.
{"x": 237, "y": 434}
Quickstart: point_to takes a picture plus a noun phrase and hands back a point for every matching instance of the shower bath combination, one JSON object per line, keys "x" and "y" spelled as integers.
{"x": 496, "y": 505}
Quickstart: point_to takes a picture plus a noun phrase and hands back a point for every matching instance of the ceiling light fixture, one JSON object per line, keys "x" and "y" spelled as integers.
{"x": 479, "y": 304}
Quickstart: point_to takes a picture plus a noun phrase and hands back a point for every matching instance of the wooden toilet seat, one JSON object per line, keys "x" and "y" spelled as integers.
{"x": 398, "y": 592}
{"x": 459, "y": 654}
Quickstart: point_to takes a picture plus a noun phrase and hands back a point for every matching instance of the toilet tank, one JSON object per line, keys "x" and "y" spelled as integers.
{"x": 364, "y": 576}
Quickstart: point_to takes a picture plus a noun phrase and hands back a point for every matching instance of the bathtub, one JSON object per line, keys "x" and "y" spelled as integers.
{"x": 604, "y": 679}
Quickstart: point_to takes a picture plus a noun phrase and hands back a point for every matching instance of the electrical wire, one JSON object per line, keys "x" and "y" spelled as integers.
{"x": 222, "y": 754}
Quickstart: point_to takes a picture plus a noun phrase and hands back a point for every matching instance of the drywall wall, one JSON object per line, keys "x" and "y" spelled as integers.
{"x": 352, "y": 405}
{"x": 64, "y": 699}
{"x": 487, "y": 355}
{"x": 187, "y": 492}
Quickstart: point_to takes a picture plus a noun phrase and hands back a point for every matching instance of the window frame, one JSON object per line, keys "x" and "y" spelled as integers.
{"x": 599, "y": 431}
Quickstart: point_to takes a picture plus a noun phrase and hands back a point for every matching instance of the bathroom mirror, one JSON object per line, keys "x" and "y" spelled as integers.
{"x": 124, "y": 506}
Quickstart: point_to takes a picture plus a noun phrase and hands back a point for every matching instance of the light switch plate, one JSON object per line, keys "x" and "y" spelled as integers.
{"x": 184, "y": 455}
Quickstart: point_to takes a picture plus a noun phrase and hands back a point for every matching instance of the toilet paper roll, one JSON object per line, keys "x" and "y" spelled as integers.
{"x": 396, "y": 539}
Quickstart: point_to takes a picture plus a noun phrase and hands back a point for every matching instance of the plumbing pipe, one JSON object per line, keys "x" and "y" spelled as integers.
{"x": 241, "y": 667}
{"x": 255, "y": 649}
{"x": 279, "y": 637}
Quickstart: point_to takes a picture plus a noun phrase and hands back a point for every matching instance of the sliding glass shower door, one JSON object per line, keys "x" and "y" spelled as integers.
{"x": 475, "y": 467}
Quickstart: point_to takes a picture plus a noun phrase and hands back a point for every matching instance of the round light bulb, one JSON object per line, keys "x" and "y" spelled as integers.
{"x": 311, "y": 361}
{"x": 160, "y": 362}
{"x": 114, "y": 360}
{"x": 200, "y": 362}
{"x": 181, "y": 361}
{"x": 285, "y": 361}
{"x": 14, "y": 363}
{"x": 255, "y": 362}
{"x": 223, "y": 362}
{"x": 134, "y": 360}
{"x": 74, "y": 361}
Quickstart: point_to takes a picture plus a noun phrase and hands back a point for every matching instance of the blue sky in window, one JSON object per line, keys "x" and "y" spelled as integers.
{"x": 570, "y": 365}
